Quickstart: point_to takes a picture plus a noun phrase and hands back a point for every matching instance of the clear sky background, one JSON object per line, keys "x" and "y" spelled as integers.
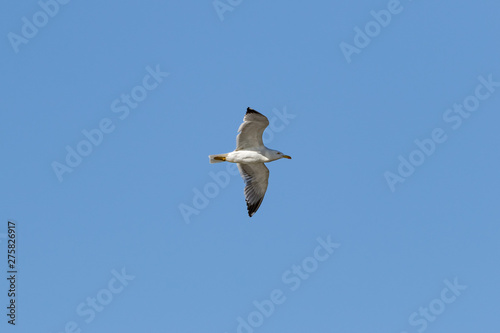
{"x": 123, "y": 241}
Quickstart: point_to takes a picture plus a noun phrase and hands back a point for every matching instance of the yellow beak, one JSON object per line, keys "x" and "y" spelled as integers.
{"x": 286, "y": 156}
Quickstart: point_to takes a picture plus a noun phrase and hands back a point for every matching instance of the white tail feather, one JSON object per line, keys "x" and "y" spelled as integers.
{"x": 217, "y": 158}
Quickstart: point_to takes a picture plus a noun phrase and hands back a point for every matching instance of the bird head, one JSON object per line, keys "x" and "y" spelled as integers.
{"x": 281, "y": 155}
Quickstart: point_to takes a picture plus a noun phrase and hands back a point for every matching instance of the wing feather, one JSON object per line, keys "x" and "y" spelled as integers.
{"x": 251, "y": 130}
{"x": 256, "y": 176}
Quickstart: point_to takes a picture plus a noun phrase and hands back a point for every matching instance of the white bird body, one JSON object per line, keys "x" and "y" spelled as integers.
{"x": 250, "y": 155}
{"x": 257, "y": 155}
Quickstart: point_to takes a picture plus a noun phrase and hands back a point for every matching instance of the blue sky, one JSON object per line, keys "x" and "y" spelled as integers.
{"x": 385, "y": 220}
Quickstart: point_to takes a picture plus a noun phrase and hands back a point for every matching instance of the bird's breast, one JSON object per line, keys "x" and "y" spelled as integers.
{"x": 246, "y": 157}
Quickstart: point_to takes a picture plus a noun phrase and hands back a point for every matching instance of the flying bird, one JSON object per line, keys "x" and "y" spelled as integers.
{"x": 250, "y": 155}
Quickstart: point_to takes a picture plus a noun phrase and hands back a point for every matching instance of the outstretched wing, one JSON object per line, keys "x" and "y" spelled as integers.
{"x": 256, "y": 176}
{"x": 250, "y": 132}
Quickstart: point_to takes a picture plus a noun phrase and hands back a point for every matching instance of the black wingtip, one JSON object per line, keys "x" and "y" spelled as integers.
{"x": 250, "y": 110}
{"x": 252, "y": 208}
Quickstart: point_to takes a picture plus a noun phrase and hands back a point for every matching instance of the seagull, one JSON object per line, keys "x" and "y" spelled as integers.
{"x": 250, "y": 155}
